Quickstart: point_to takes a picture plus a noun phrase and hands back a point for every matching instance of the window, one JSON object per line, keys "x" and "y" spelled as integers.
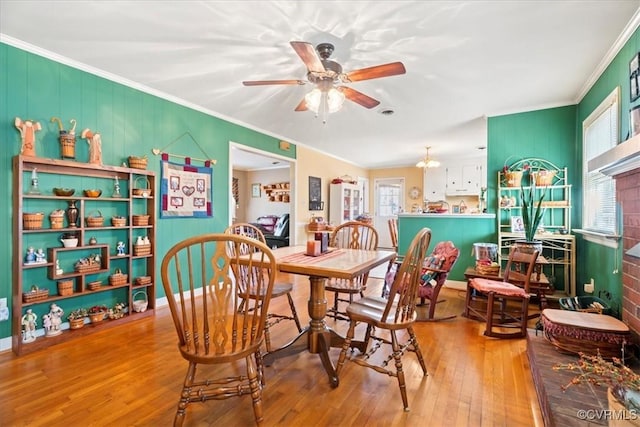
{"x": 599, "y": 134}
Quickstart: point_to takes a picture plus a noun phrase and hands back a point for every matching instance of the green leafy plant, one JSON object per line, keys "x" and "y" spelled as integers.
{"x": 532, "y": 210}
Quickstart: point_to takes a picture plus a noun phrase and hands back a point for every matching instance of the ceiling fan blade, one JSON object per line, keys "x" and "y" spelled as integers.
{"x": 385, "y": 70}
{"x": 358, "y": 97}
{"x": 273, "y": 82}
{"x": 309, "y": 56}
{"x": 302, "y": 106}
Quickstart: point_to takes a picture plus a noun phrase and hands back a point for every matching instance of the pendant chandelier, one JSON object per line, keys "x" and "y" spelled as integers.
{"x": 428, "y": 162}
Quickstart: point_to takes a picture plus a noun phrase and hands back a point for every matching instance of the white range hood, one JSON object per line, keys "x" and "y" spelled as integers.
{"x": 624, "y": 157}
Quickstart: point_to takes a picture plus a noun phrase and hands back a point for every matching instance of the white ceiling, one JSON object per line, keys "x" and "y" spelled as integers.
{"x": 465, "y": 60}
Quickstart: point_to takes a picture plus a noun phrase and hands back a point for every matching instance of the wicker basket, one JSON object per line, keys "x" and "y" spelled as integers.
{"x": 513, "y": 178}
{"x": 56, "y": 220}
{"x": 68, "y": 145}
{"x": 488, "y": 270}
{"x": 65, "y": 287}
{"x": 32, "y": 221}
{"x": 35, "y": 295}
{"x": 138, "y": 190}
{"x": 95, "y": 285}
{"x": 118, "y": 221}
{"x": 140, "y": 305}
{"x": 140, "y": 219}
{"x": 316, "y": 226}
{"x": 142, "y": 249}
{"x": 94, "y": 220}
{"x": 118, "y": 278}
{"x": 143, "y": 280}
{"x": 544, "y": 177}
{"x": 87, "y": 268}
{"x": 137, "y": 162}
{"x": 97, "y": 317}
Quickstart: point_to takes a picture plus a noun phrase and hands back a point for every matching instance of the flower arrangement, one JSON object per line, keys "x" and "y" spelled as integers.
{"x": 624, "y": 382}
{"x": 97, "y": 309}
{"x": 79, "y": 313}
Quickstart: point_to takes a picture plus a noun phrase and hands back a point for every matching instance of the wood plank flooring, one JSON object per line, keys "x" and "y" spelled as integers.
{"x": 131, "y": 375}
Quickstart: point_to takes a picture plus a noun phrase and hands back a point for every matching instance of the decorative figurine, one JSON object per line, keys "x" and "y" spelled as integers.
{"x": 120, "y": 249}
{"x": 41, "y": 258}
{"x": 59, "y": 271}
{"x": 95, "y": 146}
{"x": 55, "y": 320}
{"x": 93, "y": 241}
{"x": 29, "y": 323}
{"x": 30, "y": 258}
{"x": 28, "y": 129}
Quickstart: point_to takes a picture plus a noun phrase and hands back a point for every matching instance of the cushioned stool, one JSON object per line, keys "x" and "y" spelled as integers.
{"x": 575, "y": 331}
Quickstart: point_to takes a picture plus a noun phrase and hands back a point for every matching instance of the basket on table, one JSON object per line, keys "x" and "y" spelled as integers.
{"x": 487, "y": 269}
{"x": 32, "y": 220}
{"x": 140, "y": 305}
{"x": 137, "y": 162}
{"x": 118, "y": 278}
{"x": 65, "y": 287}
{"x": 118, "y": 221}
{"x": 139, "y": 189}
{"x": 95, "y": 219}
{"x": 35, "y": 294}
{"x": 140, "y": 219}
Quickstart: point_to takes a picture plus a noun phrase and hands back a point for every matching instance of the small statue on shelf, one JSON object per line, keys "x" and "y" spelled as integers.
{"x": 59, "y": 271}
{"x": 120, "y": 249}
{"x": 30, "y": 258}
{"x": 55, "y": 319}
{"x": 95, "y": 146}
{"x": 29, "y": 323}
{"x": 41, "y": 258}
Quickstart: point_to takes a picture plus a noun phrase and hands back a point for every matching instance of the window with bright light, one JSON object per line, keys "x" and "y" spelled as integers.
{"x": 599, "y": 134}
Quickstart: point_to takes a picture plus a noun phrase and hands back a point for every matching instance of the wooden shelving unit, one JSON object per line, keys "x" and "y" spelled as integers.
{"x": 69, "y": 174}
{"x": 279, "y": 192}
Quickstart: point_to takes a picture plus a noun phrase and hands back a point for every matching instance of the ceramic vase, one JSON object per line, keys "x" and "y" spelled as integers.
{"x": 72, "y": 214}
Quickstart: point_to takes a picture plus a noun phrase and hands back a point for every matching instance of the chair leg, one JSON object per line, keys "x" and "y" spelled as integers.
{"x": 416, "y": 347}
{"x": 345, "y": 347}
{"x": 490, "y": 301}
{"x": 294, "y": 313}
{"x": 184, "y": 395}
{"x": 397, "y": 356}
{"x": 260, "y": 367}
{"x": 267, "y": 336}
{"x": 524, "y": 316}
{"x": 467, "y": 301}
{"x": 256, "y": 390}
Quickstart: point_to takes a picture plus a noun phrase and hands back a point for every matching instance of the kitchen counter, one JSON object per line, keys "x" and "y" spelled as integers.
{"x": 462, "y": 229}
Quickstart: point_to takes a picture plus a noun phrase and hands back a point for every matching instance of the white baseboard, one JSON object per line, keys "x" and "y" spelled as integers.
{"x": 456, "y": 284}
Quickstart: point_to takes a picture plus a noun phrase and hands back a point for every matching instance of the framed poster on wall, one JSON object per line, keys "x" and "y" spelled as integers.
{"x": 315, "y": 194}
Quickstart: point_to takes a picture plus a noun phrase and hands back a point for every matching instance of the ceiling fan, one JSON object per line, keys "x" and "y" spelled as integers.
{"x": 328, "y": 78}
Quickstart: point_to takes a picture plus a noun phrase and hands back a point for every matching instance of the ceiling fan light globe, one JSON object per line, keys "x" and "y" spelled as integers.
{"x": 333, "y": 98}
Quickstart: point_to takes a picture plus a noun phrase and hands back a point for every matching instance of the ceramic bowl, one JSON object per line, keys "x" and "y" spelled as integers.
{"x": 92, "y": 193}
{"x": 63, "y": 191}
{"x": 69, "y": 243}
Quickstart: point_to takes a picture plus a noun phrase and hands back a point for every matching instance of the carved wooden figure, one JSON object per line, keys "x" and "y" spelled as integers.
{"x": 28, "y": 129}
{"x": 95, "y": 146}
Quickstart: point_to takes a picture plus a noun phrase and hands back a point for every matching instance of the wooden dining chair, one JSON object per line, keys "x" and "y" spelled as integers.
{"x": 350, "y": 235}
{"x": 279, "y": 289}
{"x": 514, "y": 287}
{"x": 397, "y": 314}
{"x": 212, "y": 328}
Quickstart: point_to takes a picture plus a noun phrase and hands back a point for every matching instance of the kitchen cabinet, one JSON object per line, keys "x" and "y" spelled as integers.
{"x": 464, "y": 180}
{"x": 345, "y": 202}
{"x": 435, "y": 184}
{"x": 115, "y": 239}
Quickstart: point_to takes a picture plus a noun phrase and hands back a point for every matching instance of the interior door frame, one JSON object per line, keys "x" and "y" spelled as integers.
{"x": 381, "y": 222}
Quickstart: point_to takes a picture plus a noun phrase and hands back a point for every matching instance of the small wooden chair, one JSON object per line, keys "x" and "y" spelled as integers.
{"x": 397, "y": 314}
{"x": 513, "y": 287}
{"x": 435, "y": 279}
{"x": 212, "y": 328}
{"x": 350, "y": 235}
{"x": 279, "y": 289}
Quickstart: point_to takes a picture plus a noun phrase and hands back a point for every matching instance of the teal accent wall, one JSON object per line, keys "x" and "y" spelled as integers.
{"x": 131, "y": 122}
{"x": 463, "y": 232}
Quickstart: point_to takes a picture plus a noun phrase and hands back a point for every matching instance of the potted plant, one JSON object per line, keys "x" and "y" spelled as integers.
{"x": 623, "y": 385}
{"x": 532, "y": 213}
{"x": 76, "y": 318}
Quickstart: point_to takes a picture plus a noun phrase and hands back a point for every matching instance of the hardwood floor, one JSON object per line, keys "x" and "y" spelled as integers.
{"x": 132, "y": 375}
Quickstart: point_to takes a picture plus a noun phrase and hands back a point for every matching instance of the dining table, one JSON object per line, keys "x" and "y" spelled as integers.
{"x": 337, "y": 263}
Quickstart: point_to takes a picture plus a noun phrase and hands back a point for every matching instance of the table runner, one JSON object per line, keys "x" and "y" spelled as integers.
{"x": 303, "y": 258}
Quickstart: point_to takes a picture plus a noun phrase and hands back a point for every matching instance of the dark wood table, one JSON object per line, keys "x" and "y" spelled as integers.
{"x": 340, "y": 263}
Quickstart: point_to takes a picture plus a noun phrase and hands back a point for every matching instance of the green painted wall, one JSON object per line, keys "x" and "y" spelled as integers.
{"x": 131, "y": 123}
